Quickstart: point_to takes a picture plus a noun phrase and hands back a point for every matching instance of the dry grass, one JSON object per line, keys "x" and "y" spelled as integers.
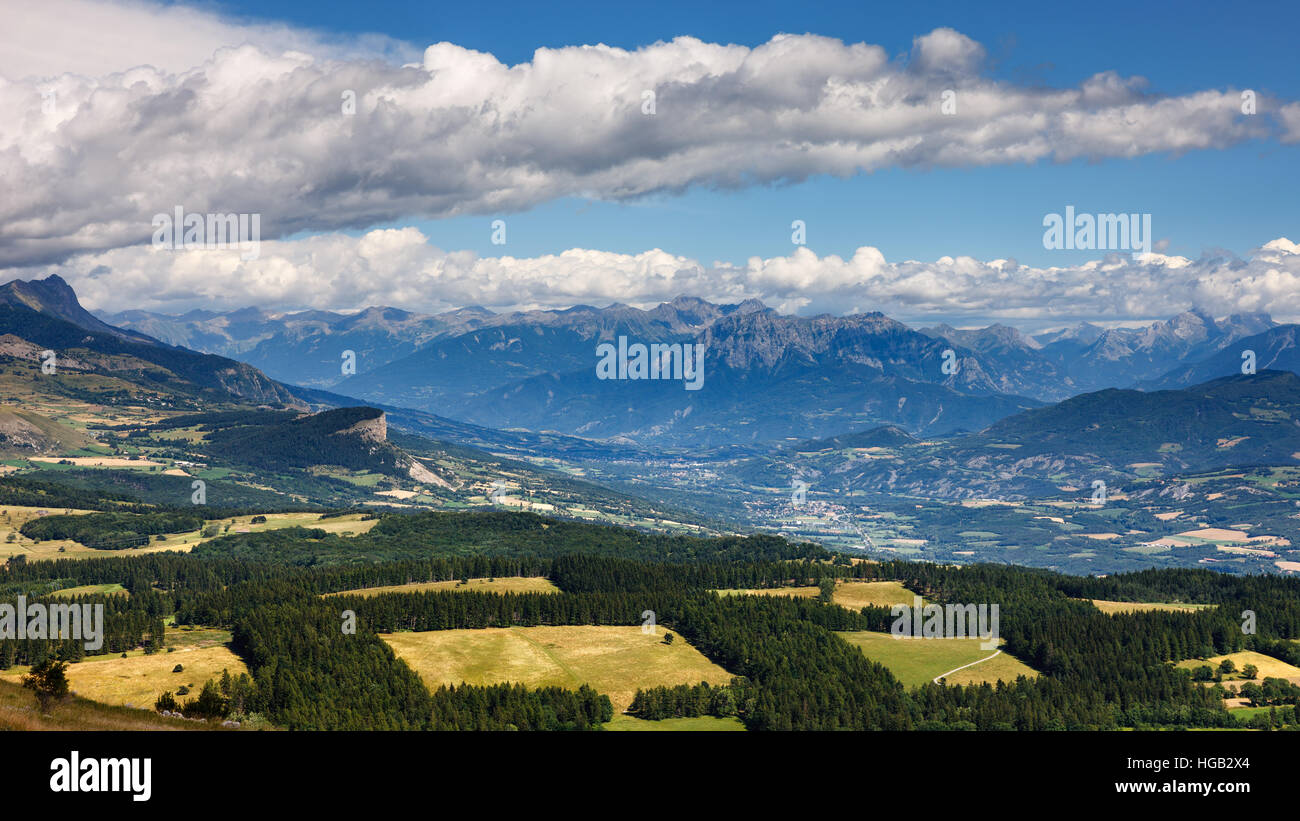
{"x": 857, "y": 595}
{"x": 18, "y": 712}
{"x": 1269, "y": 667}
{"x": 1110, "y": 608}
{"x": 519, "y": 584}
{"x": 98, "y": 461}
{"x": 795, "y": 592}
{"x": 616, "y": 661}
{"x": 851, "y": 594}
{"x": 13, "y": 517}
{"x": 138, "y": 680}
{"x": 178, "y": 542}
{"x": 91, "y": 590}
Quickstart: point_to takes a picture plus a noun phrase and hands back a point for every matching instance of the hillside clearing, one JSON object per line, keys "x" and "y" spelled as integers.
{"x": 853, "y": 595}
{"x": 1110, "y": 608}
{"x": 916, "y": 661}
{"x": 616, "y": 661}
{"x": 515, "y": 584}
{"x": 138, "y": 680}
{"x": 1269, "y": 667}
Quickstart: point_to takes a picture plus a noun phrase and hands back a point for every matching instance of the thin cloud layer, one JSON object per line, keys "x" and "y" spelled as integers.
{"x": 398, "y": 267}
{"x": 259, "y": 126}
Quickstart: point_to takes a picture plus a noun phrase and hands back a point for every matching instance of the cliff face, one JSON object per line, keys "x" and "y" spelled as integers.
{"x": 369, "y": 430}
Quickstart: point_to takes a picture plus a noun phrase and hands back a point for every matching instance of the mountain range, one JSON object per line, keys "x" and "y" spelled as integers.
{"x": 768, "y": 376}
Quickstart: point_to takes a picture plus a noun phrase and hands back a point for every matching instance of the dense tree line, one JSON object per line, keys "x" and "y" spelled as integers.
{"x": 516, "y": 707}
{"x": 685, "y": 701}
{"x": 111, "y": 531}
{"x": 127, "y": 625}
{"x": 310, "y": 675}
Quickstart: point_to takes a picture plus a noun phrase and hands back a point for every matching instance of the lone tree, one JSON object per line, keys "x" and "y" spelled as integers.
{"x": 826, "y": 589}
{"x": 49, "y": 680}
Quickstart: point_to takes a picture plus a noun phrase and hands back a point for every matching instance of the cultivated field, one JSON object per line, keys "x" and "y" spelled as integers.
{"x": 616, "y": 661}
{"x": 97, "y": 461}
{"x": 520, "y": 584}
{"x": 916, "y": 661}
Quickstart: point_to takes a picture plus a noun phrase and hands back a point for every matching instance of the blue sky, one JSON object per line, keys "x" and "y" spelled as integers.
{"x": 1234, "y": 198}
{"x": 774, "y": 112}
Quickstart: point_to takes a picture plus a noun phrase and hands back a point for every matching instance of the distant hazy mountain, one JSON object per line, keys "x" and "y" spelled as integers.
{"x": 885, "y": 436}
{"x": 307, "y": 347}
{"x": 766, "y": 376}
{"x": 450, "y": 374}
{"x": 1274, "y": 349}
{"x": 1079, "y": 336}
{"x": 1018, "y": 360}
{"x": 1125, "y": 356}
{"x": 1238, "y": 420}
{"x": 1112, "y": 435}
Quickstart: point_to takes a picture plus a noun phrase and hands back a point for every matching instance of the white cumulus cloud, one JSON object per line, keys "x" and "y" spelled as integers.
{"x": 214, "y": 115}
{"x": 398, "y": 267}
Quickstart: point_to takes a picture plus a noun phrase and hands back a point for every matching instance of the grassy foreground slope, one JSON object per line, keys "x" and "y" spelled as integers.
{"x": 18, "y": 712}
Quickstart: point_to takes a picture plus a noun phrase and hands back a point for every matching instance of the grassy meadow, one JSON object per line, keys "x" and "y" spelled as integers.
{"x": 616, "y": 661}
{"x": 916, "y": 661}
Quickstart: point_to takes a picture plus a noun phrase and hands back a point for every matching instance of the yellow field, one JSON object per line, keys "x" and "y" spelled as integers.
{"x": 138, "y": 680}
{"x": 521, "y": 584}
{"x": 98, "y": 461}
{"x": 1110, "y": 608}
{"x": 795, "y": 592}
{"x": 1216, "y": 534}
{"x": 179, "y": 542}
{"x": 1269, "y": 667}
{"x": 616, "y": 661}
{"x": 848, "y": 593}
{"x": 712, "y": 724}
{"x": 916, "y": 661}
{"x": 856, "y": 595}
{"x": 13, "y": 517}
{"x": 91, "y": 589}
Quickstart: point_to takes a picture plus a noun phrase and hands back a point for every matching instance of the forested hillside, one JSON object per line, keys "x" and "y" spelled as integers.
{"x": 790, "y": 669}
